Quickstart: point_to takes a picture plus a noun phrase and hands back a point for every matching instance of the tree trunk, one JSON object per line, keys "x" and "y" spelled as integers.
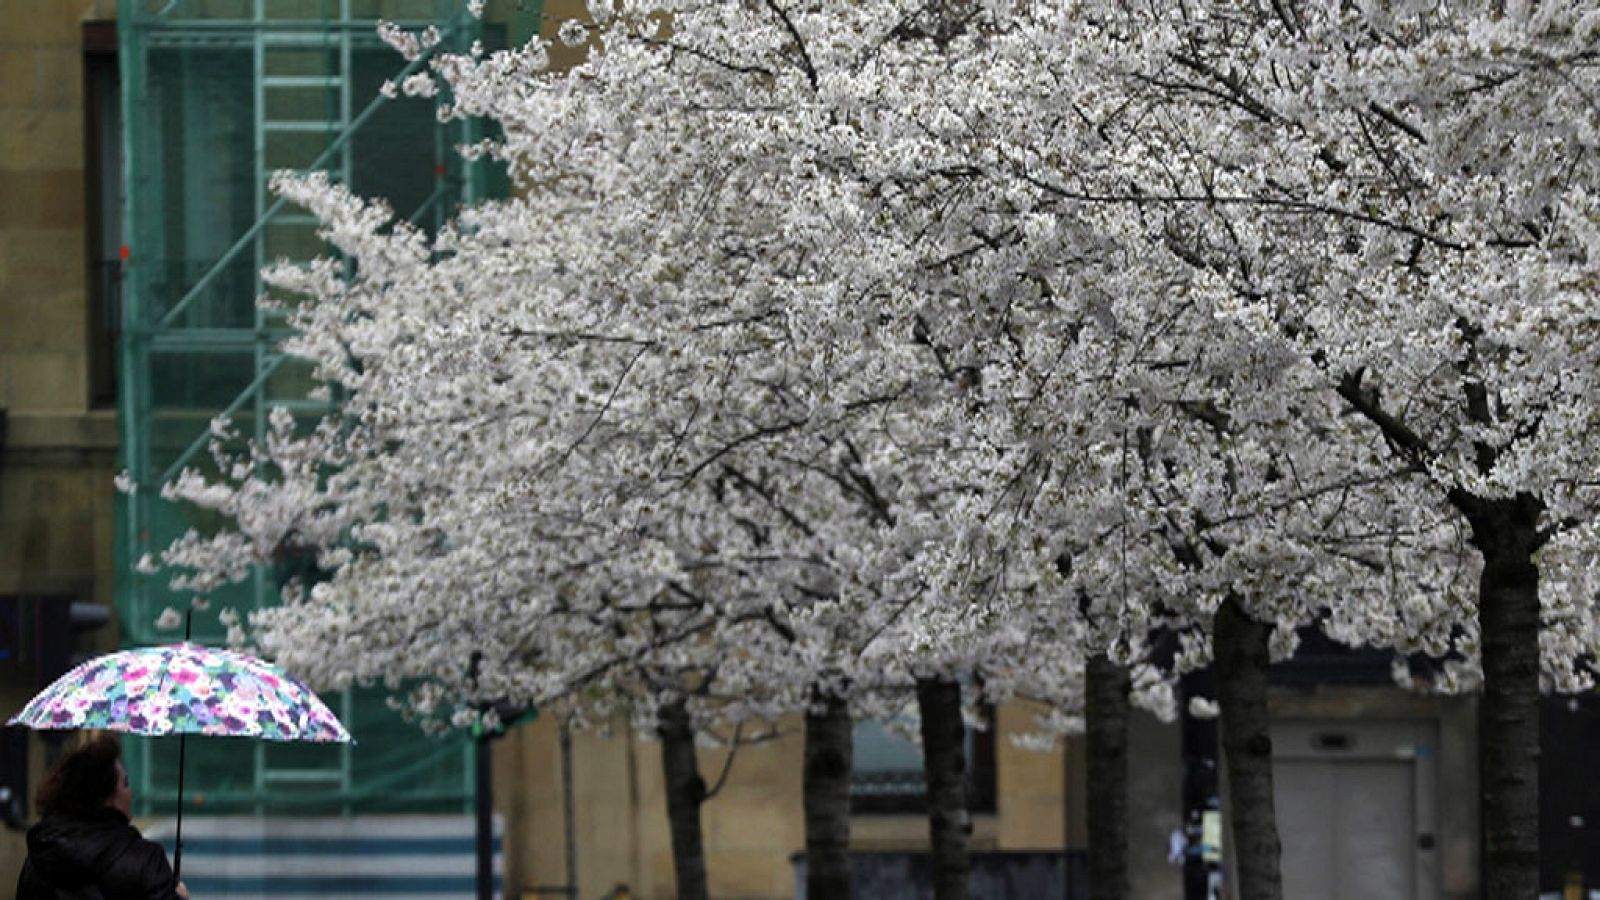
{"x": 1506, "y": 533}
{"x": 1239, "y": 648}
{"x": 830, "y": 735}
{"x": 685, "y": 792}
{"x": 944, "y": 764}
{"x": 1107, "y": 719}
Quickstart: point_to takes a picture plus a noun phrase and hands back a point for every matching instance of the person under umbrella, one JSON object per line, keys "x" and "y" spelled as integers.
{"x": 183, "y": 689}
{"x": 85, "y": 847}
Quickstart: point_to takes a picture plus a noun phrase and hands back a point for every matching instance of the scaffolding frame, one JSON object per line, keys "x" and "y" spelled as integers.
{"x": 214, "y": 331}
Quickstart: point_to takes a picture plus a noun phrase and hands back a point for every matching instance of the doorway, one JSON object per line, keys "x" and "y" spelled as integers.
{"x": 1356, "y": 806}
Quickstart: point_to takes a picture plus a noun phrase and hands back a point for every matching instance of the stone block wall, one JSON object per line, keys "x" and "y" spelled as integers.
{"x": 58, "y": 455}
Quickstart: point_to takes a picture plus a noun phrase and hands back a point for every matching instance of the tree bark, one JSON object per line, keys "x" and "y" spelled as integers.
{"x": 1239, "y": 648}
{"x": 944, "y": 764}
{"x": 1107, "y": 720}
{"x": 686, "y": 790}
{"x": 830, "y": 735}
{"x": 1506, "y": 533}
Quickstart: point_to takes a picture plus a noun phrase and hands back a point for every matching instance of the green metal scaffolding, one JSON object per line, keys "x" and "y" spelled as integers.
{"x": 217, "y": 95}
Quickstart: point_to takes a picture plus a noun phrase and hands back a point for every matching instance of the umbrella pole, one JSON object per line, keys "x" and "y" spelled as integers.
{"x": 177, "y": 840}
{"x": 177, "y": 850}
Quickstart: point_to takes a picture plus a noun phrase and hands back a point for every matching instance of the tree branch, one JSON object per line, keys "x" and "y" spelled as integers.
{"x": 799, "y": 44}
{"x": 706, "y": 57}
{"x": 727, "y": 764}
{"x": 1404, "y": 441}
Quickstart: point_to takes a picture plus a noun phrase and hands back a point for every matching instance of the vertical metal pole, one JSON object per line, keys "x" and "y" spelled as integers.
{"x": 347, "y": 74}
{"x": 258, "y": 92}
{"x": 484, "y": 778}
{"x": 347, "y": 756}
{"x": 132, "y": 417}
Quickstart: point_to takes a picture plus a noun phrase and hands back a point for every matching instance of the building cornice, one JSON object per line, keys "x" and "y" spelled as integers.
{"x": 53, "y": 438}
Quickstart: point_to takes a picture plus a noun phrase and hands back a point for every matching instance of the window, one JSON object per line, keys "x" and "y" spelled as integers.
{"x": 103, "y": 190}
{"x": 888, "y": 778}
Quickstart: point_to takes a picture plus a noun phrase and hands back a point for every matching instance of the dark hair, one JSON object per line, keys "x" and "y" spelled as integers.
{"x": 82, "y": 781}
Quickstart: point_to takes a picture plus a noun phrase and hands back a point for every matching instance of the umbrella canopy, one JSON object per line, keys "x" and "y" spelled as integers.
{"x": 183, "y": 689}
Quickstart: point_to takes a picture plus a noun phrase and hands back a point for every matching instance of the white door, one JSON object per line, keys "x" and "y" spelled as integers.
{"x": 1354, "y": 810}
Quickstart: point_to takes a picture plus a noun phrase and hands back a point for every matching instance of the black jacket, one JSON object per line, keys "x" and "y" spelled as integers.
{"x": 72, "y": 858}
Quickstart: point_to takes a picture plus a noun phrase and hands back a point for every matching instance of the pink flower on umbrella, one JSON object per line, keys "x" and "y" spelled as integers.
{"x": 136, "y": 679}
{"x": 183, "y": 671}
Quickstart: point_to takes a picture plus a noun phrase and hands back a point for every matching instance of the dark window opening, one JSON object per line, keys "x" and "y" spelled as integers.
{"x": 105, "y": 198}
{"x": 887, "y": 776}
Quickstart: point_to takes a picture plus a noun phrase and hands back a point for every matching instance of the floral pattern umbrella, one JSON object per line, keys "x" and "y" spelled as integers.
{"x": 183, "y": 689}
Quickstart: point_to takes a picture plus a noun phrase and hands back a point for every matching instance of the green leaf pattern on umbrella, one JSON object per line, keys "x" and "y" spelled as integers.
{"x": 184, "y": 689}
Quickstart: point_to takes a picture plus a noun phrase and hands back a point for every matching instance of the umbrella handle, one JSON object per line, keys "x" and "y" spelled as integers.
{"x": 177, "y": 849}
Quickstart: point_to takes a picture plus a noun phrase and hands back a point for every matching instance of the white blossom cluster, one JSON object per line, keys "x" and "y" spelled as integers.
{"x": 837, "y": 344}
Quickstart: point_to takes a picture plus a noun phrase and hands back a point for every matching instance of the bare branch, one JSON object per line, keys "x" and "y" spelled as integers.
{"x": 727, "y": 764}
{"x": 799, "y": 44}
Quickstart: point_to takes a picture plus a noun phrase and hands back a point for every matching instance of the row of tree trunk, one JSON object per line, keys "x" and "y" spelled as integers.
{"x": 1508, "y": 751}
{"x": 1241, "y": 666}
{"x": 829, "y": 744}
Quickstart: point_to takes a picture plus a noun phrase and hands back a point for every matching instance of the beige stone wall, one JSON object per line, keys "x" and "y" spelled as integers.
{"x": 56, "y": 501}
{"x": 1155, "y": 805}
{"x": 43, "y": 336}
{"x": 752, "y": 828}
{"x": 1031, "y": 786}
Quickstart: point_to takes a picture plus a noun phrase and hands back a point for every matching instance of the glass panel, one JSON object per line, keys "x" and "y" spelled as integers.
{"x": 878, "y": 749}
{"x": 884, "y": 762}
{"x": 199, "y": 141}
{"x": 887, "y": 775}
{"x": 396, "y": 154}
